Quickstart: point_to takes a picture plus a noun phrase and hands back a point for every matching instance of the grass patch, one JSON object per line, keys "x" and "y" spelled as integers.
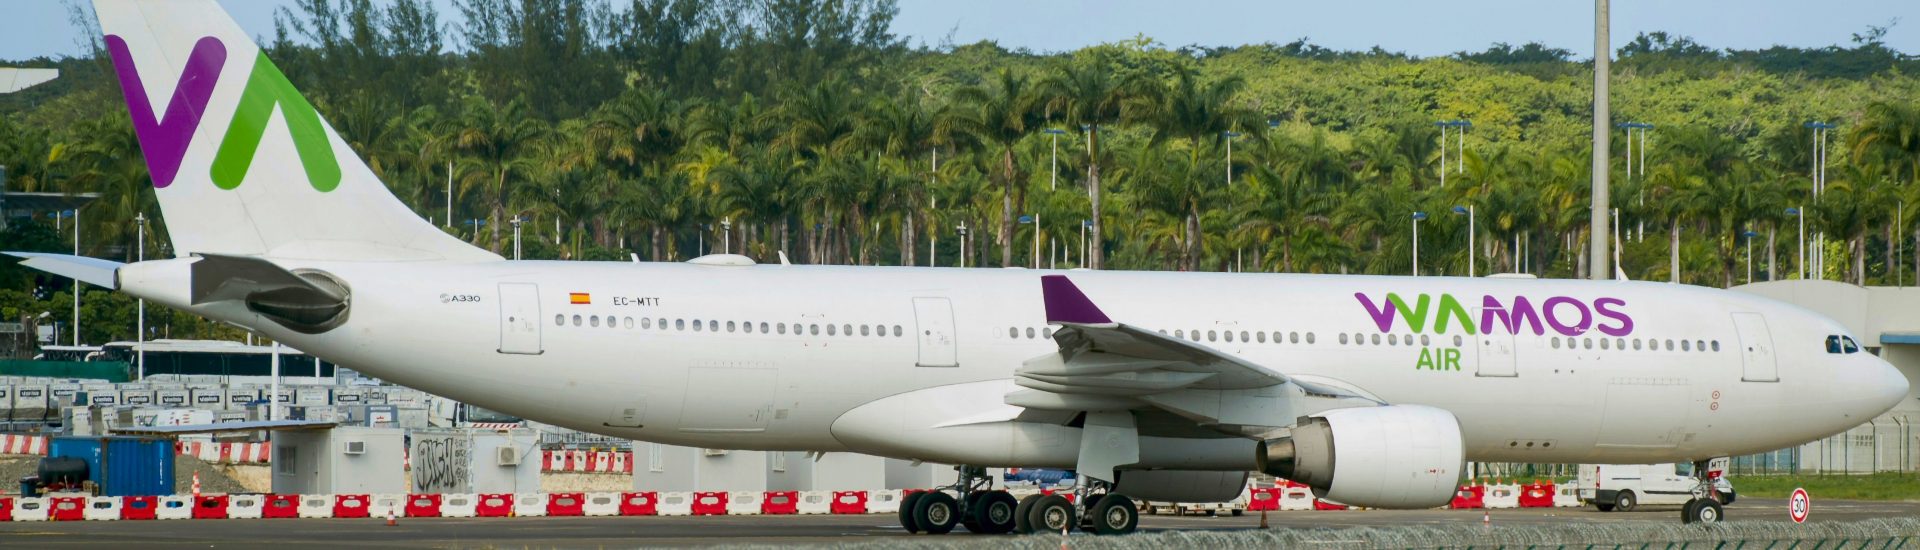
{"x": 1879, "y": 486}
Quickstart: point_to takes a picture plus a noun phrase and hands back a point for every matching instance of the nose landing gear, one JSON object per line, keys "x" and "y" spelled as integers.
{"x": 1705, "y": 506}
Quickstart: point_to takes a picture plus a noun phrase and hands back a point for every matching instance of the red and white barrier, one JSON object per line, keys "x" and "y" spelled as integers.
{"x": 674, "y": 504}
{"x": 140, "y": 508}
{"x": 601, "y": 504}
{"x": 227, "y": 453}
{"x": 1503, "y": 495}
{"x": 246, "y": 507}
{"x": 32, "y": 509}
{"x": 1566, "y": 495}
{"x": 1536, "y": 495}
{"x": 23, "y": 445}
{"x": 849, "y": 502}
{"x": 604, "y": 462}
{"x": 460, "y": 505}
{"x": 316, "y": 506}
{"x": 530, "y": 504}
{"x": 493, "y": 505}
{"x": 883, "y": 501}
{"x": 566, "y": 504}
{"x": 103, "y": 508}
{"x": 709, "y": 504}
{"x": 814, "y": 503}
{"x": 174, "y": 507}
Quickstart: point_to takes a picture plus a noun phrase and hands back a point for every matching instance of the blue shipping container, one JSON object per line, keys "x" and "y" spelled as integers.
{"x": 122, "y": 466}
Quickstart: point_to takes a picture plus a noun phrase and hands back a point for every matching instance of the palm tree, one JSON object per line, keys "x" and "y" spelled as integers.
{"x": 1198, "y": 113}
{"x": 900, "y": 128}
{"x": 1000, "y": 114}
{"x": 498, "y": 144}
{"x": 1091, "y": 96}
{"x": 636, "y": 133}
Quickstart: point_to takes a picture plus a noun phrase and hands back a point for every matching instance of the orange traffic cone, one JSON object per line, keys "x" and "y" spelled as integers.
{"x": 390, "y": 520}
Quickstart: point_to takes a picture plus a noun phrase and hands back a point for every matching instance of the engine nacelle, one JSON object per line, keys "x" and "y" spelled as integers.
{"x": 1395, "y": 456}
{"x": 1181, "y": 485}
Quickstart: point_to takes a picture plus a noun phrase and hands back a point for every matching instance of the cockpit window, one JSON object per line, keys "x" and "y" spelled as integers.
{"x": 1837, "y": 343}
{"x": 1833, "y": 343}
{"x": 1849, "y": 345}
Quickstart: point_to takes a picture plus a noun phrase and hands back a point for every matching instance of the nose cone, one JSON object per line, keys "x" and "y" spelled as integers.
{"x": 1893, "y": 387}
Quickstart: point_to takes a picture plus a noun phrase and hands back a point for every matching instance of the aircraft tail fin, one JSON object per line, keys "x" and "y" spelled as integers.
{"x": 241, "y": 162}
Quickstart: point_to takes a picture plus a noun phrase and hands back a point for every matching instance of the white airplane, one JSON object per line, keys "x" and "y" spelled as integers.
{"x": 1158, "y": 386}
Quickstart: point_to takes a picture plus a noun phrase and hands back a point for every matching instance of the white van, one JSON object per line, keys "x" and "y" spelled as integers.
{"x": 1625, "y": 487}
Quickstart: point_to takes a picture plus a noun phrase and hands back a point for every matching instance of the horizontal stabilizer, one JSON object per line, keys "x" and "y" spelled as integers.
{"x": 218, "y": 277}
{"x": 93, "y": 271}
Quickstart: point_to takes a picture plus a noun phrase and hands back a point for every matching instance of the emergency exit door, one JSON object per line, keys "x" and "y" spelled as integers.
{"x": 933, "y": 319}
{"x": 1756, "y": 348}
{"x": 1495, "y": 356}
{"x": 520, "y": 318}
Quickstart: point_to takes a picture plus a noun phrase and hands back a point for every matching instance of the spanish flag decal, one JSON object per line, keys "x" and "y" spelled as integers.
{"x": 579, "y": 298}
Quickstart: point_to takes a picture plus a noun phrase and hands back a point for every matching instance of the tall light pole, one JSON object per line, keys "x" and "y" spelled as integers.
{"x": 1035, "y": 220}
{"x": 1749, "y": 235}
{"x": 726, "y": 235}
{"x": 76, "y": 280}
{"x": 1084, "y": 225}
{"x": 1598, "y": 266}
{"x": 1054, "y": 178}
{"x": 140, "y": 323}
{"x": 1229, "y": 135}
{"x": 449, "y": 193}
{"x": 1417, "y": 216}
{"x": 1819, "y": 174}
{"x": 1802, "y": 265}
{"x": 962, "y": 228}
{"x": 1471, "y": 251}
{"x": 1461, "y": 136}
{"x": 516, "y": 235}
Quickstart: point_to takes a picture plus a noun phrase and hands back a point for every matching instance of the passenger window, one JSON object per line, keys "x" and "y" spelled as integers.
{"x": 830, "y": 330}
{"x": 1343, "y": 338}
{"x": 1243, "y": 337}
{"x": 576, "y": 320}
{"x": 593, "y": 320}
{"x": 697, "y": 325}
{"x": 1213, "y": 336}
{"x": 1556, "y": 342}
{"x": 730, "y": 326}
{"x": 1636, "y": 344}
{"x": 1457, "y": 342}
{"x": 896, "y": 331}
{"x": 1178, "y": 333}
{"x": 1603, "y": 343}
{"x": 713, "y": 326}
{"x": 1586, "y": 343}
{"x": 1046, "y": 333}
{"x": 1620, "y": 344}
{"x": 782, "y": 327}
{"x": 1376, "y": 339}
{"x": 1309, "y": 337}
{"x": 1262, "y": 336}
{"x": 1293, "y": 337}
{"x": 1393, "y": 339}
{"x": 1425, "y": 341}
{"x": 846, "y": 329}
{"x": 1194, "y": 336}
{"x": 747, "y": 327}
{"x": 663, "y": 323}
{"x": 1029, "y": 333}
{"x": 864, "y": 329}
{"x": 1669, "y": 345}
{"x": 629, "y": 322}
{"x": 763, "y": 327}
{"x": 646, "y": 322}
{"x": 1700, "y": 345}
{"x": 813, "y": 329}
{"x": 559, "y": 320}
{"x": 1684, "y": 346}
{"x": 1715, "y": 344}
{"x": 1229, "y": 336}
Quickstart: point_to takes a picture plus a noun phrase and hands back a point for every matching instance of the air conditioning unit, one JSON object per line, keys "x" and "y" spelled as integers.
{"x": 356, "y": 447}
{"x": 506, "y": 455}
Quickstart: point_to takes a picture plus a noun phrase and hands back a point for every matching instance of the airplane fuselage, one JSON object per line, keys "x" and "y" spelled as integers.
{"x": 772, "y": 357}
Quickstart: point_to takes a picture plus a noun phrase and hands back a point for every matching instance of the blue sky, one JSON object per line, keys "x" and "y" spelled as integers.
{"x": 1425, "y": 28}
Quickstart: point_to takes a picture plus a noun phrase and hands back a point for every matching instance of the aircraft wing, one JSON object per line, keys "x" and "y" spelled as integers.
{"x": 1105, "y": 364}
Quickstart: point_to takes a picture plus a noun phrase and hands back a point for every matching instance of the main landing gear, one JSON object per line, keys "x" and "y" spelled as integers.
{"x": 987, "y": 511}
{"x": 1704, "y": 507}
{"x": 979, "y": 508}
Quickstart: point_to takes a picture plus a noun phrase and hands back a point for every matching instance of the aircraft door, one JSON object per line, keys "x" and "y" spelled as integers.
{"x": 1495, "y": 354}
{"x": 933, "y": 318}
{"x": 1758, "y": 363}
{"x": 520, "y": 318}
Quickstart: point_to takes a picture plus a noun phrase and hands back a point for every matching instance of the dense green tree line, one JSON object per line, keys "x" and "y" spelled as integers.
{"x": 670, "y": 128}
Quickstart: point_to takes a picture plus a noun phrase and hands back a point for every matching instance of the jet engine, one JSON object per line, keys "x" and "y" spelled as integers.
{"x": 1393, "y": 456}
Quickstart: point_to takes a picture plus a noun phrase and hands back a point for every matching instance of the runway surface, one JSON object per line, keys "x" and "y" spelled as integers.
{"x": 626, "y": 532}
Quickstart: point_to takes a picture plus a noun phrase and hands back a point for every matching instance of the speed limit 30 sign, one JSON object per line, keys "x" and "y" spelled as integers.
{"x": 1799, "y": 505}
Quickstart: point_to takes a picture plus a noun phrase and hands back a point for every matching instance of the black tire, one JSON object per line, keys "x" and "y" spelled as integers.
{"x": 936, "y": 513}
{"x": 1703, "y": 510}
{"x": 1726, "y": 498}
{"x": 1020, "y": 525}
{"x": 966, "y": 515}
{"x": 1052, "y": 514}
{"x": 1604, "y": 507}
{"x": 1625, "y": 501}
{"x": 1238, "y": 513}
{"x": 906, "y": 512}
{"x": 1115, "y": 515}
{"x": 993, "y": 512}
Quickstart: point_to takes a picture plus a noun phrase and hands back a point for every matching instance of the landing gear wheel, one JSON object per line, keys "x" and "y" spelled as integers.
{"x": 1702, "y": 510}
{"x": 968, "y": 504}
{"x": 906, "y": 512}
{"x": 1020, "y": 514}
{"x": 936, "y": 513}
{"x": 1115, "y": 515}
{"x": 1726, "y": 498}
{"x": 993, "y": 512}
{"x": 1051, "y": 514}
{"x": 1625, "y": 502}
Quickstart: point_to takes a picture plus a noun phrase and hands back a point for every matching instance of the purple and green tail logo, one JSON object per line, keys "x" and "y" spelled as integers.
{"x": 164, "y": 139}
